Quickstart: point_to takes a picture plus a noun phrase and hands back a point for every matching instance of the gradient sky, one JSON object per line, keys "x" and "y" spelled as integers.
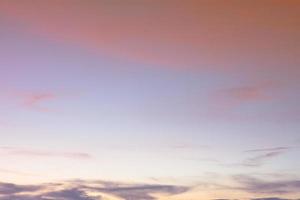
{"x": 149, "y": 99}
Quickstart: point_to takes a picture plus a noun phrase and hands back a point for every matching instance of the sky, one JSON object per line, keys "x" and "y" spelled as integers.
{"x": 149, "y": 99}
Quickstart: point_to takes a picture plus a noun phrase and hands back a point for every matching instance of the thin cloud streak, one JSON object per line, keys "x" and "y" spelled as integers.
{"x": 283, "y": 148}
{"x": 263, "y": 156}
{"x": 14, "y": 172}
{"x": 259, "y": 160}
{"x": 42, "y": 153}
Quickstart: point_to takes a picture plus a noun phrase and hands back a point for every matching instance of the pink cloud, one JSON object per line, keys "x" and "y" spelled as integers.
{"x": 247, "y": 93}
{"x": 226, "y": 101}
{"x": 30, "y": 100}
{"x": 173, "y": 34}
{"x": 34, "y": 100}
{"x": 251, "y": 93}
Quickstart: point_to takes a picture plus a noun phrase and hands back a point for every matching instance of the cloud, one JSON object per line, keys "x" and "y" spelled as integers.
{"x": 255, "y": 185}
{"x": 67, "y": 194}
{"x": 270, "y": 198}
{"x": 30, "y": 100}
{"x": 82, "y": 190}
{"x": 247, "y": 93}
{"x": 238, "y": 95}
{"x": 73, "y": 194}
{"x": 269, "y": 149}
{"x": 178, "y": 34}
{"x": 142, "y": 191}
{"x": 14, "y": 172}
{"x": 264, "y": 155}
{"x": 259, "y": 187}
{"x": 100, "y": 190}
{"x": 43, "y": 153}
{"x": 273, "y": 198}
{"x": 224, "y": 199}
{"x": 258, "y": 157}
{"x": 259, "y": 160}
{"x": 35, "y": 100}
{"x": 266, "y": 198}
{"x": 228, "y": 101}
{"x": 8, "y": 188}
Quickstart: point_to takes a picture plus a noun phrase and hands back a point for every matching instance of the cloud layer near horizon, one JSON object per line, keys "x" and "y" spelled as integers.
{"x": 255, "y": 188}
{"x": 87, "y": 190}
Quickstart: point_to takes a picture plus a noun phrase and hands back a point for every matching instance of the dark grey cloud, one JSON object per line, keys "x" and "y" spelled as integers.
{"x": 8, "y": 188}
{"x": 79, "y": 190}
{"x": 69, "y": 194}
{"x": 142, "y": 192}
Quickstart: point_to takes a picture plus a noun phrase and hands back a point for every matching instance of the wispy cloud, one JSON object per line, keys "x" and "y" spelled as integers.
{"x": 257, "y": 157}
{"x": 32, "y": 100}
{"x": 283, "y": 148}
{"x": 42, "y": 153}
{"x": 251, "y": 93}
{"x": 256, "y": 185}
{"x": 259, "y": 187}
{"x": 259, "y": 160}
{"x": 247, "y": 93}
{"x": 263, "y": 155}
{"x": 228, "y": 101}
{"x": 35, "y": 100}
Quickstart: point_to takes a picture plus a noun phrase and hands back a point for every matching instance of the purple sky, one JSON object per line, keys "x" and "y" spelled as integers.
{"x": 149, "y": 99}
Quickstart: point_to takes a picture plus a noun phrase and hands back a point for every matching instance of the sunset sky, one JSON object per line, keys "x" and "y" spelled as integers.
{"x": 149, "y": 99}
